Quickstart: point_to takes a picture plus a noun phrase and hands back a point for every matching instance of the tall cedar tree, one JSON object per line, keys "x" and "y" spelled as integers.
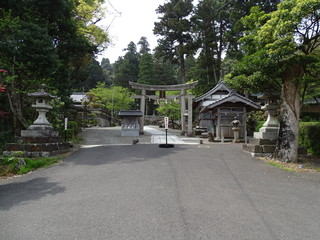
{"x": 174, "y": 28}
{"x": 127, "y": 68}
{"x": 217, "y": 27}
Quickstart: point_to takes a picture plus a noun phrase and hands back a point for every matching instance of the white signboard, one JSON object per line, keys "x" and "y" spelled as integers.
{"x": 166, "y": 122}
{"x": 65, "y": 123}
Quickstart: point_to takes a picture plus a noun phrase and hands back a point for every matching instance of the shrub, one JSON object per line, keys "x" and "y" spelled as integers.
{"x": 309, "y": 135}
{"x": 259, "y": 125}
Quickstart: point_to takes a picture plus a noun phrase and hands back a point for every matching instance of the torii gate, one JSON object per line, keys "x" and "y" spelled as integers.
{"x": 163, "y": 88}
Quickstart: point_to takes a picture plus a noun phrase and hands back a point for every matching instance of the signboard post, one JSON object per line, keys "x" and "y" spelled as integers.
{"x": 65, "y": 128}
{"x": 166, "y": 126}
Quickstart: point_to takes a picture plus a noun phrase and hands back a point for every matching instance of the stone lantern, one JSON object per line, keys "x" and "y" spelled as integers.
{"x": 236, "y": 130}
{"x": 40, "y": 139}
{"x": 42, "y": 107}
{"x": 270, "y": 128}
{"x": 264, "y": 141}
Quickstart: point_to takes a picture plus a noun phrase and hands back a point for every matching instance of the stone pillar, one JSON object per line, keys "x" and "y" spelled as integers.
{"x": 190, "y": 115}
{"x": 183, "y": 110}
{"x": 236, "y": 131}
{"x": 142, "y": 109}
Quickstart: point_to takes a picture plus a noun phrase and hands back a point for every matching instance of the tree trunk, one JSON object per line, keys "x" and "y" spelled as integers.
{"x": 288, "y": 139}
{"x": 16, "y": 109}
{"x": 182, "y": 68}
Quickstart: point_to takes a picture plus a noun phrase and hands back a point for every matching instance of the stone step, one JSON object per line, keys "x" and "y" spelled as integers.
{"x": 254, "y": 148}
{"x": 261, "y": 141}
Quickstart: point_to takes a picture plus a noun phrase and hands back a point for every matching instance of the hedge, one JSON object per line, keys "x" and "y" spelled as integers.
{"x": 309, "y": 137}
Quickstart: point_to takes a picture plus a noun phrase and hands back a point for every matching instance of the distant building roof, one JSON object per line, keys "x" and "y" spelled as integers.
{"x": 77, "y": 97}
{"x": 219, "y": 87}
{"x": 231, "y": 97}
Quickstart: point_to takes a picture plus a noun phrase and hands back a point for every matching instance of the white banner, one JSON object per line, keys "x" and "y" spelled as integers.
{"x": 65, "y": 123}
{"x": 166, "y": 122}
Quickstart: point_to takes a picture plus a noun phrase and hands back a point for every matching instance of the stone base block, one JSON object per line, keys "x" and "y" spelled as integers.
{"x": 268, "y": 135}
{"x": 262, "y": 141}
{"x": 37, "y": 147}
{"x": 252, "y": 148}
{"x": 267, "y": 132}
{"x": 34, "y": 133}
{"x": 40, "y": 139}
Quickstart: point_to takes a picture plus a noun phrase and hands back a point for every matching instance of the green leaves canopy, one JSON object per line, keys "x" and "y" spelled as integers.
{"x": 114, "y": 99}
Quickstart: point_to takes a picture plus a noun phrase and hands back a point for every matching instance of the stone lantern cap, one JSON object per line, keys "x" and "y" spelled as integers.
{"x": 42, "y": 93}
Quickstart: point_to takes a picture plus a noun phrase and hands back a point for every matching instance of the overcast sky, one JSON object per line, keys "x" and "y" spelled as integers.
{"x": 136, "y": 20}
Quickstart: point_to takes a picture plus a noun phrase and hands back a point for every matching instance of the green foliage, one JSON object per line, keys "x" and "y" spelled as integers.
{"x": 17, "y": 164}
{"x": 174, "y": 28}
{"x": 146, "y": 69}
{"x": 309, "y": 136}
{"x": 107, "y": 70}
{"x": 127, "y": 68}
{"x": 259, "y": 125}
{"x": 114, "y": 99}
{"x": 171, "y": 110}
{"x": 46, "y": 42}
{"x": 89, "y": 76}
{"x": 144, "y": 45}
{"x": 72, "y": 130}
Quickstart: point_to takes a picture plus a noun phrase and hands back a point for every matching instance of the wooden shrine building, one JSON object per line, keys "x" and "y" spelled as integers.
{"x": 216, "y": 109}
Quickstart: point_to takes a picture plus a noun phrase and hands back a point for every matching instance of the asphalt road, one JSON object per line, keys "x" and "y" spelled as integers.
{"x": 143, "y": 192}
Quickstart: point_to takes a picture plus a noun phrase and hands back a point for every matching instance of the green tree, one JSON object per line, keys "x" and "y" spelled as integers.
{"x": 217, "y": 28}
{"x": 89, "y": 13}
{"x": 164, "y": 73}
{"x": 127, "y": 67}
{"x": 174, "y": 28}
{"x": 44, "y": 42}
{"x": 170, "y": 110}
{"x": 146, "y": 69}
{"x": 144, "y": 45}
{"x": 90, "y": 76}
{"x": 282, "y": 48}
{"x": 107, "y": 71}
{"x": 113, "y": 99}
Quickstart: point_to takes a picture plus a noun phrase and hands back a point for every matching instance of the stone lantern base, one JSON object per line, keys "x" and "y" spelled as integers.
{"x": 40, "y": 139}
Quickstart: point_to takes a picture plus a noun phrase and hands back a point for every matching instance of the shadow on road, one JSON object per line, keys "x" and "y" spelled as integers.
{"x": 114, "y": 154}
{"x": 13, "y": 194}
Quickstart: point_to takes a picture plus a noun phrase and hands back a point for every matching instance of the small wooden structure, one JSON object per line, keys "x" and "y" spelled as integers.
{"x": 130, "y": 123}
{"x": 216, "y": 110}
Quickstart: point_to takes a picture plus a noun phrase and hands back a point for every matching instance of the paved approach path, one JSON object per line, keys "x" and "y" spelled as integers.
{"x": 143, "y": 192}
{"x": 159, "y": 136}
{"x": 112, "y": 136}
